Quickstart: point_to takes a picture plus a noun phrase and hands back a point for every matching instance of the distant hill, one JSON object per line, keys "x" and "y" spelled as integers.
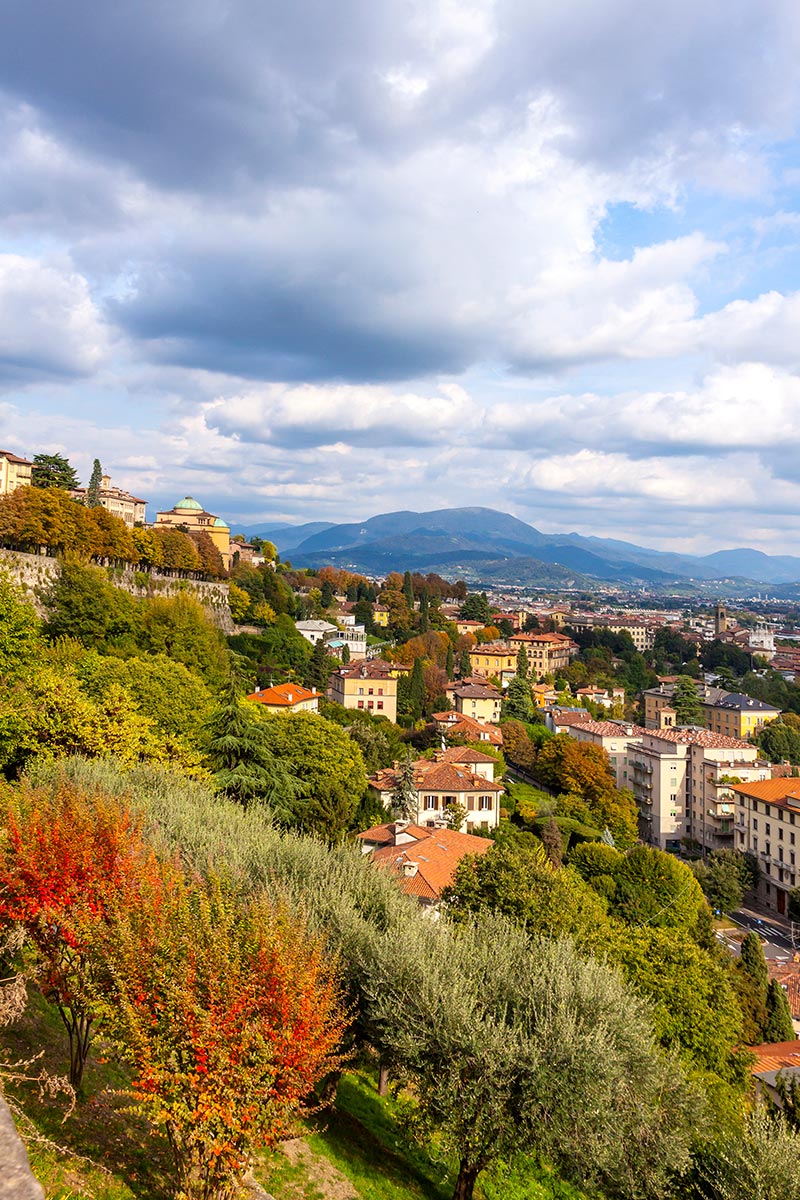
{"x": 494, "y": 545}
{"x": 282, "y": 535}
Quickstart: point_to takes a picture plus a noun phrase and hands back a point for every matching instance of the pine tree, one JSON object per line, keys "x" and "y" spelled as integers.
{"x": 779, "y": 1026}
{"x": 417, "y": 690}
{"x": 318, "y": 668}
{"x": 405, "y": 797}
{"x": 345, "y": 654}
{"x": 686, "y": 702}
{"x": 53, "y": 471}
{"x": 93, "y": 490}
{"x": 450, "y": 665}
{"x": 464, "y": 665}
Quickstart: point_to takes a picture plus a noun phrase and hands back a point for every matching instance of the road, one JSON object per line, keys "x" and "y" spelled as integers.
{"x": 777, "y": 943}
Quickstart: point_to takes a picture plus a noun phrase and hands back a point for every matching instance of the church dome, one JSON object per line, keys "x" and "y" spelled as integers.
{"x": 188, "y": 504}
{"x": 218, "y": 521}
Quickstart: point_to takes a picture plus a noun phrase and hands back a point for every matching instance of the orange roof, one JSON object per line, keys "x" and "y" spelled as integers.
{"x": 436, "y": 858}
{"x": 577, "y": 716}
{"x": 437, "y": 777}
{"x": 463, "y": 754}
{"x": 774, "y": 1056}
{"x": 494, "y": 648}
{"x": 284, "y": 695}
{"x": 384, "y": 835}
{"x": 611, "y": 728}
{"x": 15, "y": 458}
{"x": 463, "y": 725}
{"x": 773, "y": 790}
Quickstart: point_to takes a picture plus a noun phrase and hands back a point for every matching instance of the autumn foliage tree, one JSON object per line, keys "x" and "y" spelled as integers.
{"x": 65, "y": 857}
{"x": 229, "y": 1013}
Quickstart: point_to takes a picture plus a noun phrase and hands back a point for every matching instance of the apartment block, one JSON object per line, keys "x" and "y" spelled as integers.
{"x": 14, "y": 472}
{"x": 768, "y": 826}
{"x": 616, "y": 738}
{"x": 370, "y": 686}
{"x": 731, "y": 714}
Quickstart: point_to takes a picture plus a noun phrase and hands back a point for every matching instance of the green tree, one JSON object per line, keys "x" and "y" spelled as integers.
{"x": 405, "y": 796}
{"x": 238, "y": 753}
{"x": 326, "y": 594}
{"x": 20, "y": 635}
{"x": 449, "y": 665}
{"x": 180, "y": 627}
{"x": 345, "y": 654}
{"x": 424, "y": 612}
{"x": 778, "y": 1027}
{"x": 464, "y": 665}
{"x": 408, "y": 590}
{"x": 417, "y": 690}
{"x": 239, "y": 603}
{"x": 794, "y": 904}
{"x": 318, "y": 668}
{"x": 724, "y": 876}
{"x": 93, "y": 490}
{"x": 455, "y": 814}
{"x": 653, "y": 888}
{"x": 531, "y": 1051}
{"x": 763, "y": 1164}
{"x": 523, "y": 666}
{"x": 475, "y": 608}
{"x": 82, "y": 604}
{"x": 328, "y": 764}
{"x": 552, "y": 842}
{"x": 752, "y": 982}
{"x": 518, "y": 700}
{"x": 686, "y": 702}
{"x": 53, "y": 471}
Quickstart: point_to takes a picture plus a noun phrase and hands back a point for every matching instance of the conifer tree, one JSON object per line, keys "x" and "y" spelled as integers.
{"x": 408, "y": 590}
{"x": 93, "y": 490}
{"x": 236, "y": 751}
{"x": 424, "y": 613}
{"x": 417, "y": 696}
{"x": 464, "y": 665}
{"x": 53, "y": 471}
{"x": 779, "y": 1026}
{"x": 449, "y": 664}
{"x": 405, "y": 797}
{"x": 318, "y": 668}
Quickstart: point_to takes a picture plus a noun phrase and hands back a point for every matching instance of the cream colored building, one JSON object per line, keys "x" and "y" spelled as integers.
{"x": 493, "y": 659}
{"x": 286, "y": 697}
{"x": 616, "y": 738}
{"x": 459, "y": 776}
{"x": 768, "y": 826}
{"x": 731, "y": 714}
{"x": 192, "y": 516}
{"x": 370, "y": 686}
{"x": 130, "y": 509}
{"x": 548, "y": 653}
{"x": 681, "y": 779}
{"x": 14, "y": 472}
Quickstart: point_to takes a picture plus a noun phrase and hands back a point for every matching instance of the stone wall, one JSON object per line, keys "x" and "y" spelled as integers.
{"x": 16, "y": 1178}
{"x": 35, "y": 572}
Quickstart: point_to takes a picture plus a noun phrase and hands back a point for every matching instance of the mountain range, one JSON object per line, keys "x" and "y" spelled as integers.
{"x": 483, "y": 544}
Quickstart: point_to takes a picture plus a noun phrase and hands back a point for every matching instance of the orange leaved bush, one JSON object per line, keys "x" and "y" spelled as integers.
{"x": 65, "y": 858}
{"x": 229, "y": 1013}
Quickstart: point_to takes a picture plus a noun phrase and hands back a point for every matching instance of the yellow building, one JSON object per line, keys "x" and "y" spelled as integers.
{"x": 478, "y": 700}
{"x": 370, "y": 686}
{"x": 731, "y": 714}
{"x": 380, "y": 615}
{"x": 548, "y": 653}
{"x": 190, "y": 515}
{"x": 14, "y": 472}
{"x": 286, "y": 697}
{"x": 493, "y": 660}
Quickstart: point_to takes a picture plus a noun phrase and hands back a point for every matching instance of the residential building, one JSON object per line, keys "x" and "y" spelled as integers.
{"x": 370, "y": 685}
{"x": 729, "y": 713}
{"x": 423, "y": 860}
{"x": 14, "y": 472}
{"x": 607, "y": 697}
{"x": 459, "y": 776}
{"x": 130, "y": 509}
{"x": 562, "y": 720}
{"x": 190, "y": 515}
{"x": 354, "y": 637}
{"x": 463, "y": 626}
{"x": 316, "y": 631}
{"x": 682, "y": 780}
{"x": 548, "y": 653}
{"x": 469, "y": 729}
{"x": 773, "y": 1059}
{"x": 480, "y": 700}
{"x": 642, "y": 632}
{"x": 380, "y": 615}
{"x": 494, "y": 660}
{"x": 615, "y": 737}
{"x": 287, "y": 697}
{"x": 768, "y": 826}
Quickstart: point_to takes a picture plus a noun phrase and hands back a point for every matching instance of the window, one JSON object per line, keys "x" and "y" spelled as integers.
{"x": 430, "y": 803}
{"x": 674, "y": 797}
{"x": 791, "y": 839}
{"x": 780, "y": 853}
{"x": 380, "y": 704}
{"x": 485, "y": 803}
{"x": 361, "y": 691}
{"x": 766, "y": 829}
{"x": 755, "y": 824}
{"x": 780, "y": 833}
{"x": 380, "y": 691}
{"x": 370, "y": 704}
{"x": 361, "y": 704}
{"x": 371, "y": 692}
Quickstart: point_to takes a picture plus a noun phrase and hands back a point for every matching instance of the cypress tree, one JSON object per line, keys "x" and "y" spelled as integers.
{"x": 450, "y": 664}
{"x": 464, "y": 665}
{"x": 522, "y": 663}
{"x": 417, "y": 697}
{"x": 408, "y": 590}
{"x": 424, "y": 613}
{"x": 779, "y": 1026}
{"x": 93, "y": 490}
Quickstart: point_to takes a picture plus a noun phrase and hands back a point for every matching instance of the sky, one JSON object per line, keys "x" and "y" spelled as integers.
{"x": 313, "y": 262}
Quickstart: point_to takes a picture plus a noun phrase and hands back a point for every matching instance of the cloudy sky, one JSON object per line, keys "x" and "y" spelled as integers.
{"x": 316, "y": 261}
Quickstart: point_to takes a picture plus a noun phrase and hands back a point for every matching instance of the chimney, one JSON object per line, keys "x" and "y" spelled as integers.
{"x": 410, "y": 869}
{"x": 258, "y": 688}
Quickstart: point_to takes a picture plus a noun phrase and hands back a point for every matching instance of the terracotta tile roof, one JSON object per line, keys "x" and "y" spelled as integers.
{"x": 463, "y": 725}
{"x": 578, "y": 716}
{"x": 477, "y": 691}
{"x": 494, "y": 648}
{"x": 284, "y": 695}
{"x": 551, "y": 639}
{"x": 372, "y": 668}
{"x": 463, "y": 754}
{"x": 775, "y": 791}
{"x": 788, "y": 975}
{"x": 436, "y": 858}
{"x": 612, "y": 728}
{"x": 15, "y": 458}
{"x": 773, "y": 1056}
{"x": 700, "y": 737}
{"x": 436, "y": 777}
{"x": 384, "y": 835}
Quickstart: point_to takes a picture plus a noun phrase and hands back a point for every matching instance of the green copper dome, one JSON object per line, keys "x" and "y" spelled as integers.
{"x": 219, "y": 521}
{"x": 187, "y": 503}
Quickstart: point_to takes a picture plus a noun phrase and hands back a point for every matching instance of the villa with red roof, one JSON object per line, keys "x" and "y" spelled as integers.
{"x": 287, "y": 697}
{"x": 422, "y": 860}
{"x": 460, "y": 777}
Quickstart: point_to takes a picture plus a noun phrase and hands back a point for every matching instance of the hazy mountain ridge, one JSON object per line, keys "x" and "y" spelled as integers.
{"x": 443, "y": 538}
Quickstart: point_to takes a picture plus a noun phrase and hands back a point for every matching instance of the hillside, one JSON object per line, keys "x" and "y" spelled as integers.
{"x": 482, "y": 543}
